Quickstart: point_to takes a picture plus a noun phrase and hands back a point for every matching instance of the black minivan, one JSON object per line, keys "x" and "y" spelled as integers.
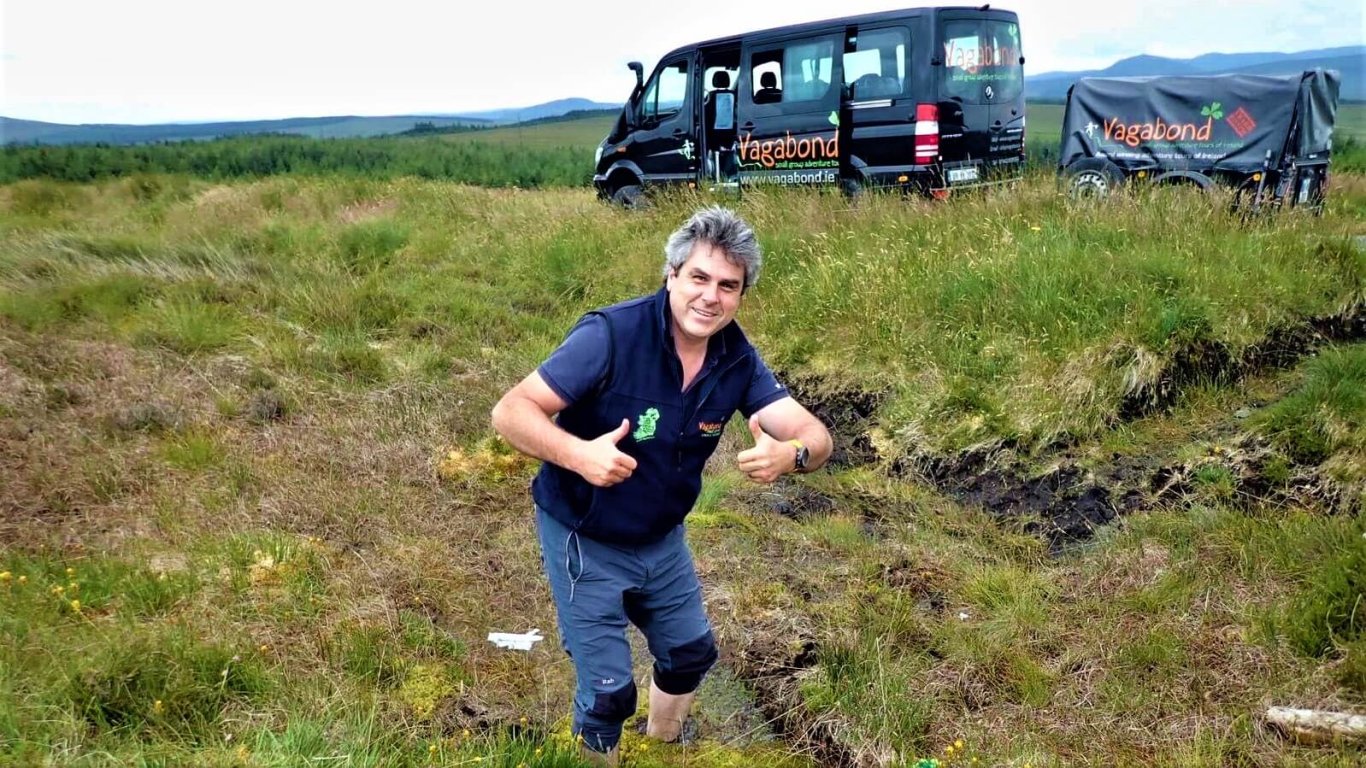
{"x": 923, "y": 99}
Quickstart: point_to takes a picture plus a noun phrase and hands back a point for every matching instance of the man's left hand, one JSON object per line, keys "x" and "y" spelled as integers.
{"x": 769, "y": 459}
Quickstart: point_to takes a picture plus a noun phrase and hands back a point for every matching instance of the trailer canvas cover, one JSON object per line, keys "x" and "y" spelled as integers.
{"x": 1197, "y": 123}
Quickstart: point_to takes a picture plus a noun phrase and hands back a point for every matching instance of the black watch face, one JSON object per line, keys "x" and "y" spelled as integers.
{"x": 802, "y": 455}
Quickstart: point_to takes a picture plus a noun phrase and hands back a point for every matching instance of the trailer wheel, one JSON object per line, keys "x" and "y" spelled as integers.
{"x": 1093, "y": 177}
{"x": 629, "y": 196}
{"x": 1248, "y": 204}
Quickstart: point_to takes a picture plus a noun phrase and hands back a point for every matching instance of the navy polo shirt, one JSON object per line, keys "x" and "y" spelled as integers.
{"x": 620, "y": 362}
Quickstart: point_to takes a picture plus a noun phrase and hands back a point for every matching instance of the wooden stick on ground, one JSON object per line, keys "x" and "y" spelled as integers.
{"x": 1314, "y": 726}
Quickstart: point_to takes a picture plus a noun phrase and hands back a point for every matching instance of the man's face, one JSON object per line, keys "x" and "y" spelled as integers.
{"x": 704, "y": 293}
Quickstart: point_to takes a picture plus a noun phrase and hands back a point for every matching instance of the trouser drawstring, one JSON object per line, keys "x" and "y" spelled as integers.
{"x": 569, "y": 562}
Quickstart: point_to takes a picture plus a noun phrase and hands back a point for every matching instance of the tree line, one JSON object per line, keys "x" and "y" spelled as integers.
{"x": 473, "y": 162}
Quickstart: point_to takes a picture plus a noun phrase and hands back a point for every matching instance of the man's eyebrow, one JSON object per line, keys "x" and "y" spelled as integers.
{"x": 696, "y": 271}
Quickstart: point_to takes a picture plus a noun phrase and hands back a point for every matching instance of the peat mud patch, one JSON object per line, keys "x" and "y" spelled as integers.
{"x": 1205, "y": 360}
{"x": 771, "y": 662}
{"x": 845, "y": 412}
{"x": 1064, "y": 505}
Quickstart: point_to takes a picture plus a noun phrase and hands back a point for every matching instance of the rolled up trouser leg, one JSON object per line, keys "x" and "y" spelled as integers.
{"x": 669, "y": 611}
{"x": 587, "y": 580}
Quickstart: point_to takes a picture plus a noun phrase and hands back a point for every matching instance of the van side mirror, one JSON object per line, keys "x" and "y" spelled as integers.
{"x": 639, "y": 69}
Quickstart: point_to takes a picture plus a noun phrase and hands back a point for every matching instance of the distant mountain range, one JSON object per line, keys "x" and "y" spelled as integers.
{"x": 1350, "y": 62}
{"x": 15, "y": 131}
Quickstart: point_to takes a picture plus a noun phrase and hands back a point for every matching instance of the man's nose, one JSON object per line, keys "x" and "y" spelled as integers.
{"x": 711, "y": 293}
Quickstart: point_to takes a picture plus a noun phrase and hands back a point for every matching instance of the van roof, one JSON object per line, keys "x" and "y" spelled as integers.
{"x": 810, "y": 26}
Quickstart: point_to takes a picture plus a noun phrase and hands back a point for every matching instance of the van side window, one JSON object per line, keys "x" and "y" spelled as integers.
{"x": 875, "y": 63}
{"x": 796, "y": 71}
{"x": 666, "y": 92}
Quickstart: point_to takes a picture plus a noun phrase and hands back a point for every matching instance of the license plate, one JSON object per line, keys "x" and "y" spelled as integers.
{"x": 962, "y": 174}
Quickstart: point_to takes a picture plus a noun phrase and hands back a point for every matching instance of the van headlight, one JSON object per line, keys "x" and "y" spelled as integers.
{"x": 597, "y": 156}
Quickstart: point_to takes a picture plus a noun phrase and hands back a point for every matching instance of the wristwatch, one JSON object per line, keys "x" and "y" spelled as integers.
{"x": 803, "y": 454}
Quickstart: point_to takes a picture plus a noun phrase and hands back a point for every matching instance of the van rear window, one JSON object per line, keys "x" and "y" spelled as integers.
{"x": 979, "y": 53}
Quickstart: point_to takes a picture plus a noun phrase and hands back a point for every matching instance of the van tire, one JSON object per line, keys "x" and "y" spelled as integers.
{"x": 851, "y": 188}
{"x": 629, "y": 196}
{"x": 1093, "y": 177}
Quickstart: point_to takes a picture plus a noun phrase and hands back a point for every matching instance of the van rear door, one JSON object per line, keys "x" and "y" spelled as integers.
{"x": 981, "y": 93}
{"x": 880, "y": 110}
{"x": 788, "y": 110}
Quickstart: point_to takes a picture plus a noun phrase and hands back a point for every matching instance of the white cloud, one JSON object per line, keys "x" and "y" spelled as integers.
{"x": 156, "y": 60}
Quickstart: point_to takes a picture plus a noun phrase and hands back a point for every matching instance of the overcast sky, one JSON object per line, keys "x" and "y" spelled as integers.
{"x": 151, "y": 61}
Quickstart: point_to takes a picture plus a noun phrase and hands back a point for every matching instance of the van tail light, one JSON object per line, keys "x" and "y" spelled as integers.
{"x": 926, "y": 133}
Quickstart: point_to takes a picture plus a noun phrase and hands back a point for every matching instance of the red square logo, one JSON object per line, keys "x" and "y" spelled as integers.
{"x": 1241, "y": 122}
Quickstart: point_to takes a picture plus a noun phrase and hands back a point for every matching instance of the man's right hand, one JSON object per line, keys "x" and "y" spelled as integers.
{"x": 599, "y": 461}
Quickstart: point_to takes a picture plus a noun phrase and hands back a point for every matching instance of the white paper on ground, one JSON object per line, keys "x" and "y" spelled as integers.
{"x": 522, "y": 642}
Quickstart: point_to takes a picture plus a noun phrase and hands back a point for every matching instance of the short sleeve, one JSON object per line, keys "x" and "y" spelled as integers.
{"x": 764, "y": 388}
{"x": 579, "y": 364}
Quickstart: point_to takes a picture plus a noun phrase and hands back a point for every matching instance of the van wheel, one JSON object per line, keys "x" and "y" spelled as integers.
{"x": 629, "y": 196}
{"x": 851, "y": 188}
{"x": 1093, "y": 177}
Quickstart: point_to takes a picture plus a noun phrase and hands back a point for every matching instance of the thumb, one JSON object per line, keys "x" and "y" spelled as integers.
{"x": 621, "y": 431}
{"x": 754, "y": 428}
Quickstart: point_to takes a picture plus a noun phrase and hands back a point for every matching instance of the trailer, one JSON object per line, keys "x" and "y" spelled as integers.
{"x": 1268, "y": 137}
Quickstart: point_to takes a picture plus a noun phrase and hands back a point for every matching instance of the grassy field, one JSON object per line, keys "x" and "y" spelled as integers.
{"x": 1097, "y": 499}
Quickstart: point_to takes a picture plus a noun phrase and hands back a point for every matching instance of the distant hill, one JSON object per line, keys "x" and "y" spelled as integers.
{"x": 15, "y": 131}
{"x": 557, "y": 108}
{"x": 1349, "y": 61}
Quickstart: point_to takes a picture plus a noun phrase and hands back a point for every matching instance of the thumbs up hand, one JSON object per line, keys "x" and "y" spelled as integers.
{"x": 601, "y": 463}
{"x": 769, "y": 459}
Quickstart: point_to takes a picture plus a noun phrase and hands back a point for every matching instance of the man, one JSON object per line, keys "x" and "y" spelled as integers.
{"x": 625, "y": 414}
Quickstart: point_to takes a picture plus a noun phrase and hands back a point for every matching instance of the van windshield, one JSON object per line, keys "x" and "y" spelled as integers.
{"x": 982, "y": 53}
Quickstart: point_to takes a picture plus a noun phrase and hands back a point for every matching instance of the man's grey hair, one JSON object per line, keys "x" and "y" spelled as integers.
{"x": 722, "y": 228}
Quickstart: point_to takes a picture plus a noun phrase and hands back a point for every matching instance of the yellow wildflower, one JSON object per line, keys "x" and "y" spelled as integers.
{"x": 23, "y": 579}
{"x": 958, "y": 744}
{"x": 158, "y": 707}
{"x": 5, "y": 576}
{"x": 70, "y": 571}
{"x": 76, "y": 606}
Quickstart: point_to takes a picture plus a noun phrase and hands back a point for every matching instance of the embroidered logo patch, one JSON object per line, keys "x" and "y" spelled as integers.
{"x": 710, "y": 428}
{"x": 645, "y": 425}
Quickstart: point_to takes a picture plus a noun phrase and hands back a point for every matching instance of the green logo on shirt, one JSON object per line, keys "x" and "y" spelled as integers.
{"x": 645, "y": 425}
